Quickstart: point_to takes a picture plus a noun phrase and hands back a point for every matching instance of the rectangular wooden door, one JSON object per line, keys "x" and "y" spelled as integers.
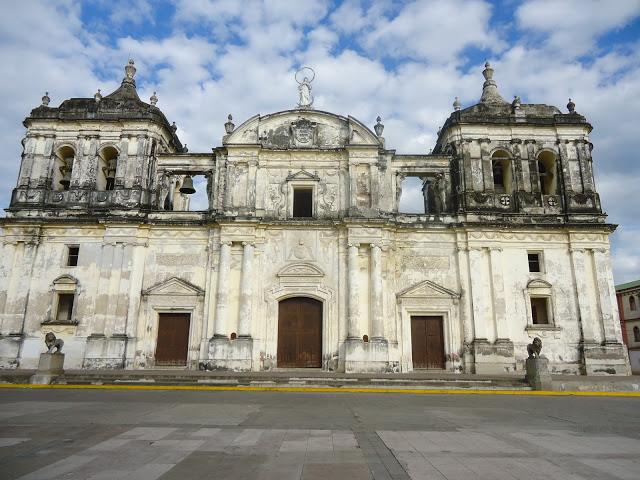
{"x": 427, "y": 342}
{"x": 173, "y": 339}
{"x": 300, "y": 333}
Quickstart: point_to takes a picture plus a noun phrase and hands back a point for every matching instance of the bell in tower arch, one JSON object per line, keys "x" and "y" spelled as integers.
{"x": 187, "y": 186}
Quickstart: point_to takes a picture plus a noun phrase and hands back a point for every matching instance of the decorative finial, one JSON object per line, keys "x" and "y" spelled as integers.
{"x": 229, "y": 125}
{"x": 46, "y": 99}
{"x": 490, "y": 92}
{"x": 129, "y": 73}
{"x": 304, "y": 86}
{"x": 516, "y": 102}
{"x": 456, "y": 104}
{"x": 379, "y": 127}
{"x": 185, "y": 149}
{"x": 98, "y": 96}
{"x": 153, "y": 99}
{"x": 571, "y": 106}
{"x": 174, "y": 127}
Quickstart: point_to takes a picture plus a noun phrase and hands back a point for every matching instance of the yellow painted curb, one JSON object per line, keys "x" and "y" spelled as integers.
{"x": 434, "y": 391}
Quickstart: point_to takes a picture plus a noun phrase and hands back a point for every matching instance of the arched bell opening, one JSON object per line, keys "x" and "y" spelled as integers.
{"x": 108, "y": 162}
{"x": 501, "y": 169}
{"x": 547, "y": 173}
{"x": 63, "y": 167}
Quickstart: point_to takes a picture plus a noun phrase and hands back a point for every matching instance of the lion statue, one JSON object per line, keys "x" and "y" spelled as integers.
{"x": 53, "y": 343}
{"x": 534, "y": 348}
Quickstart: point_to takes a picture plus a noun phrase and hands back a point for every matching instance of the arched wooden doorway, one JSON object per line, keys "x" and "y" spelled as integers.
{"x": 300, "y": 333}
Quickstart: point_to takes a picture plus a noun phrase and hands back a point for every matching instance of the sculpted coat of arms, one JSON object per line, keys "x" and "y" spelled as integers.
{"x": 304, "y": 132}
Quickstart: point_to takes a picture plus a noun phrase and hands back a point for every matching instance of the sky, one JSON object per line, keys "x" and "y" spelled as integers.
{"x": 402, "y": 60}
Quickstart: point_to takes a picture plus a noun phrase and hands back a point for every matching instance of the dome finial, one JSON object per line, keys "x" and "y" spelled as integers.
{"x": 153, "y": 99}
{"x": 98, "y": 96}
{"x": 490, "y": 92}
{"x": 46, "y": 99}
{"x": 129, "y": 73}
{"x": 456, "y": 104}
{"x": 571, "y": 106}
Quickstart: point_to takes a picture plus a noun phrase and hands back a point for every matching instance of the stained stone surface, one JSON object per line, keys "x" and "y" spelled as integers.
{"x": 55, "y": 434}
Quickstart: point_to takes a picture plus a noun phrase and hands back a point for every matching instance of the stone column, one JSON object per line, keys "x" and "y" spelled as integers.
{"x": 478, "y": 293}
{"x": 499, "y": 306}
{"x": 224, "y": 264}
{"x": 246, "y": 291}
{"x": 376, "y": 292}
{"x": 582, "y": 292}
{"x": 604, "y": 282}
{"x": 465, "y": 308}
{"x": 353, "y": 311}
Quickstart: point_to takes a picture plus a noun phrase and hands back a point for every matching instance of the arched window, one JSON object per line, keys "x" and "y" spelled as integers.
{"x": 501, "y": 169}
{"x": 547, "y": 173}
{"x": 63, "y": 166}
{"x": 632, "y": 303}
{"x": 636, "y": 334}
{"x": 106, "y": 177}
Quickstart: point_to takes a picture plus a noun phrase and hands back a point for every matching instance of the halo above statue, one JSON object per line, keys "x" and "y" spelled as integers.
{"x": 304, "y": 86}
{"x": 305, "y": 73}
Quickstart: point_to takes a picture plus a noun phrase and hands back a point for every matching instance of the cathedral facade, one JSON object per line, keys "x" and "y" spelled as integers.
{"x": 302, "y": 258}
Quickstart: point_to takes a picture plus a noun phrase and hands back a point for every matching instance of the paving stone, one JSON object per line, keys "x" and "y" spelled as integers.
{"x": 312, "y": 471}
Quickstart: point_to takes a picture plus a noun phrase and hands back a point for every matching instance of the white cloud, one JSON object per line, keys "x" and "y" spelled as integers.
{"x": 573, "y": 25}
{"x": 436, "y": 31}
{"x": 130, "y": 11}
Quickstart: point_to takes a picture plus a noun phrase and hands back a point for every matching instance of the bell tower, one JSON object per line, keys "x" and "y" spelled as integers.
{"x": 92, "y": 154}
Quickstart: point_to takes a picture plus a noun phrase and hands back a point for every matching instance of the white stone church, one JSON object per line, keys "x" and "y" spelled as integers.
{"x": 302, "y": 258}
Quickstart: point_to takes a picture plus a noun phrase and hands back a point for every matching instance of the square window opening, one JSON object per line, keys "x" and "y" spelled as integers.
{"x": 303, "y": 202}
{"x": 535, "y": 262}
{"x": 65, "y": 307}
{"x": 73, "y": 251}
{"x": 540, "y": 311}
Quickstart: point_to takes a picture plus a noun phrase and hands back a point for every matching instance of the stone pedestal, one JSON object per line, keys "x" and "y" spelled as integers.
{"x": 538, "y": 374}
{"x": 227, "y": 354}
{"x": 105, "y": 352}
{"x": 607, "y": 359}
{"x": 49, "y": 367}
{"x": 366, "y": 357}
{"x": 493, "y": 358}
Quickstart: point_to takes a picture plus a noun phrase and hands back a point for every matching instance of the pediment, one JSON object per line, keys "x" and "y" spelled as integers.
{"x": 174, "y": 287}
{"x": 538, "y": 283}
{"x": 300, "y": 129}
{"x": 300, "y": 269}
{"x": 427, "y": 289}
{"x": 65, "y": 280}
{"x": 303, "y": 175}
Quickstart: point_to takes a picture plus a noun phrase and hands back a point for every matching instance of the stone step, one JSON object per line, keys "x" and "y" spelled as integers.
{"x": 339, "y": 381}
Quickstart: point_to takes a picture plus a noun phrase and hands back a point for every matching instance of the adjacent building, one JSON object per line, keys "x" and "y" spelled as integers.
{"x": 628, "y": 295}
{"x": 302, "y": 258}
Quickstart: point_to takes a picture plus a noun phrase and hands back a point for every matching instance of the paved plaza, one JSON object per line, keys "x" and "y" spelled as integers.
{"x": 107, "y": 434}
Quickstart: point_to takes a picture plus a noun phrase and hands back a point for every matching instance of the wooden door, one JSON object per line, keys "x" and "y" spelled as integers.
{"x": 427, "y": 342}
{"x": 300, "y": 333}
{"x": 173, "y": 338}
